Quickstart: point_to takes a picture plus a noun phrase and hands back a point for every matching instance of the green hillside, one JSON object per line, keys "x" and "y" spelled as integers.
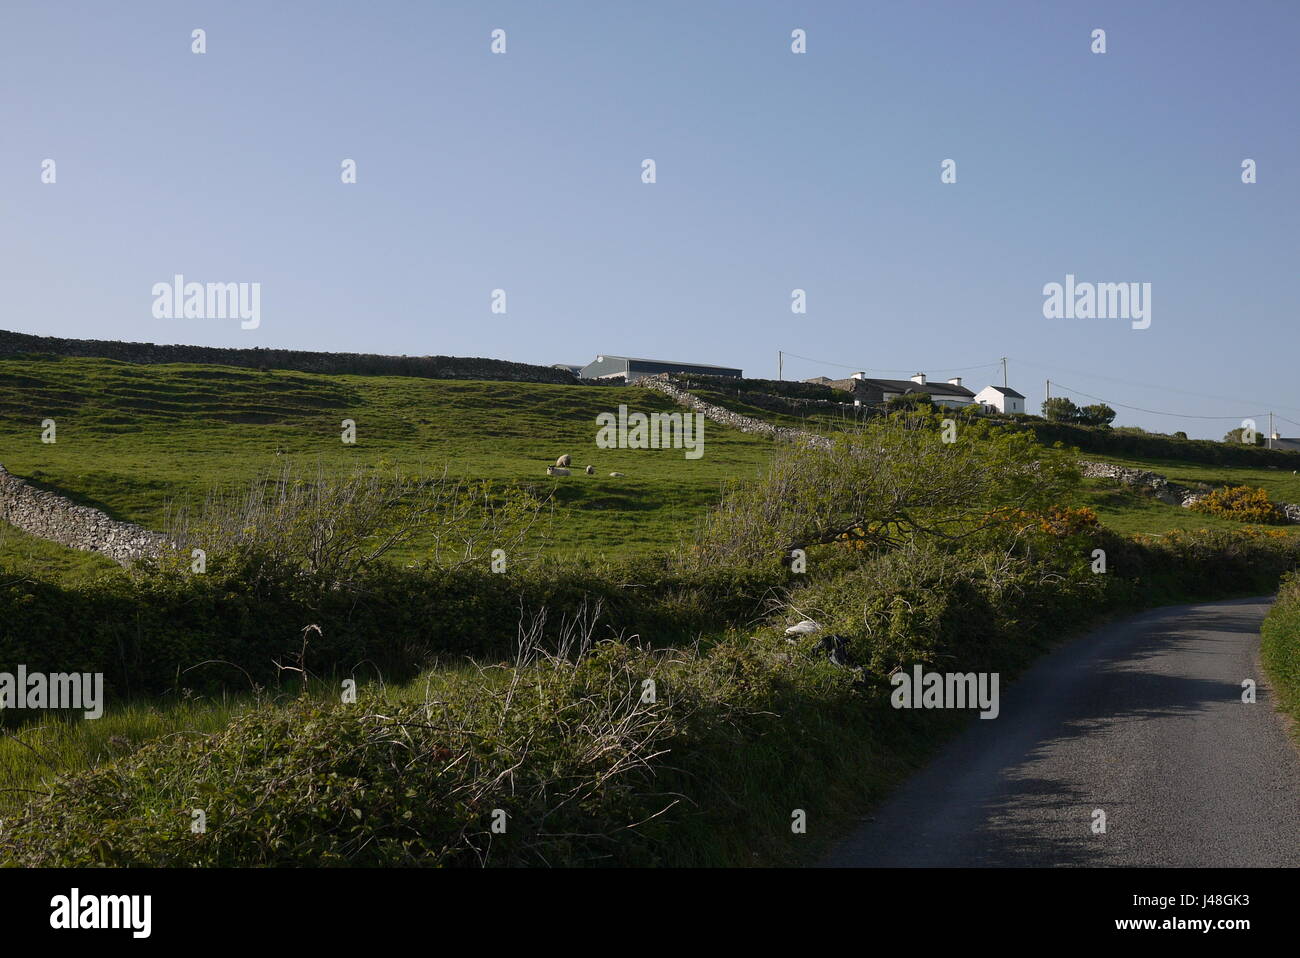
{"x": 1121, "y": 508}
{"x": 131, "y": 438}
{"x": 204, "y": 698}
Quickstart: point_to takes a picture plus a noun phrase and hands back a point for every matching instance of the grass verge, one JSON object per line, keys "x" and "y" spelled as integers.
{"x": 1280, "y": 647}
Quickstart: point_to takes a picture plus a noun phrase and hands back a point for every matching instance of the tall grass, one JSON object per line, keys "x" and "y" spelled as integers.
{"x": 1280, "y": 648}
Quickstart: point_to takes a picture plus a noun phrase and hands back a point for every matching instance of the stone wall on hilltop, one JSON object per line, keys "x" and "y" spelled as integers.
{"x": 358, "y": 364}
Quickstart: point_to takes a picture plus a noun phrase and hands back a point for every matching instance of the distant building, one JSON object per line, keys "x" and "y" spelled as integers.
{"x": 867, "y": 390}
{"x": 629, "y": 369}
{"x": 1001, "y": 398}
{"x": 1286, "y": 445}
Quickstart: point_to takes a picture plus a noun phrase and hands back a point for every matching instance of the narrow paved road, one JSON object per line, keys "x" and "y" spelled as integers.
{"x": 1142, "y": 719}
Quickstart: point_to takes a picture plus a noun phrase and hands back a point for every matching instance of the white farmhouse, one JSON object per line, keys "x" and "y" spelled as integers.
{"x": 868, "y": 391}
{"x": 1001, "y": 398}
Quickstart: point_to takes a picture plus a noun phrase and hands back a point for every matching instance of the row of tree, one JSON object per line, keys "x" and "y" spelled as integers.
{"x": 1060, "y": 409}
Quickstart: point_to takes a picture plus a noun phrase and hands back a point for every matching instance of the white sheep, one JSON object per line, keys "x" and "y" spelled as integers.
{"x": 556, "y": 471}
{"x": 591, "y": 470}
{"x": 564, "y": 460}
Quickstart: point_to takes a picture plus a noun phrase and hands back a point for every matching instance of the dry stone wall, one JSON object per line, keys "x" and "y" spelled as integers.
{"x": 726, "y": 417}
{"x": 1164, "y": 490}
{"x": 54, "y": 517}
{"x": 357, "y": 364}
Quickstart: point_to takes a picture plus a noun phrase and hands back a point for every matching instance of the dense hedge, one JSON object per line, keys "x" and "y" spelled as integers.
{"x": 743, "y": 729}
{"x": 1114, "y": 442}
{"x": 148, "y": 633}
{"x": 948, "y": 609}
{"x": 145, "y": 632}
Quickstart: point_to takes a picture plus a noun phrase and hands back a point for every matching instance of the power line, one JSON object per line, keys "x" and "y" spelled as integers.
{"x": 1153, "y": 412}
{"x": 1171, "y": 389}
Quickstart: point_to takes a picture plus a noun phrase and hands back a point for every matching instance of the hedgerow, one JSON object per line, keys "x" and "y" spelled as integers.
{"x": 586, "y": 769}
{"x": 172, "y": 630}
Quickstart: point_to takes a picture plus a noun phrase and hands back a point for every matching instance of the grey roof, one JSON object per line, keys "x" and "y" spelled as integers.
{"x": 665, "y": 362}
{"x": 1008, "y": 392}
{"x": 907, "y": 386}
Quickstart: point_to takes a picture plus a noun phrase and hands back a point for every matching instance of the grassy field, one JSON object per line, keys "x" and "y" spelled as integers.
{"x": 1126, "y": 511}
{"x": 132, "y": 438}
{"x": 28, "y": 555}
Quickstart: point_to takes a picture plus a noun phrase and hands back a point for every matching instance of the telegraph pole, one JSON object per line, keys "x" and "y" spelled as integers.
{"x": 780, "y": 365}
{"x": 1270, "y": 430}
{"x": 1004, "y": 372}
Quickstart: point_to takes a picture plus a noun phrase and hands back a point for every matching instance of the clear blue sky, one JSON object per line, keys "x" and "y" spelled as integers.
{"x": 775, "y": 171}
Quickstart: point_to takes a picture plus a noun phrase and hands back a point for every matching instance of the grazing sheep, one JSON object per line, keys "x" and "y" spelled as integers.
{"x": 591, "y": 470}
{"x": 556, "y": 471}
{"x": 564, "y": 460}
{"x": 616, "y": 475}
{"x": 806, "y": 627}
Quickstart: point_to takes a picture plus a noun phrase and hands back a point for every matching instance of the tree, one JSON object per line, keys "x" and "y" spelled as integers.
{"x": 1098, "y": 414}
{"x": 1237, "y": 435}
{"x": 909, "y": 401}
{"x": 883, "y": 484}
{"x": 1060, "y": 409}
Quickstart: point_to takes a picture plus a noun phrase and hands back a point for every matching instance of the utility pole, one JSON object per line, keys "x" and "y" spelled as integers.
{"x": 780, "y": 365}
{"x": 1004, "y": 372}
{"x": 1049, "y": 389}
{"x": 1270, "y": 430}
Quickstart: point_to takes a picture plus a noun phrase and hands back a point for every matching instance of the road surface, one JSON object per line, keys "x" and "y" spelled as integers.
{"x": 1142, "y": 719}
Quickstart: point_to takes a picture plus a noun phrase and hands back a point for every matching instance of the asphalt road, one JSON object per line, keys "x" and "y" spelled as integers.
{"x": 1142, "y": 719}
